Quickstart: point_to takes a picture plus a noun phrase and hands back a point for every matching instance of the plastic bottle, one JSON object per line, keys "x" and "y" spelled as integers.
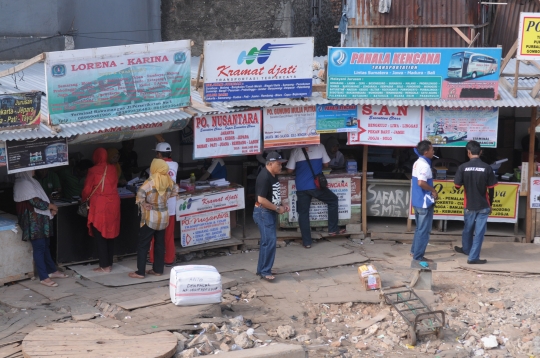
{"x": 235, "y": 347}
{"x": 192, "y": 178}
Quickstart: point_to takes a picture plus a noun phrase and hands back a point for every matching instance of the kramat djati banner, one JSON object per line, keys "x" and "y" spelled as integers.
{"x": 227, "y": 134}
{"x": 236, "y": 70}
{"x": 449, "y": 205}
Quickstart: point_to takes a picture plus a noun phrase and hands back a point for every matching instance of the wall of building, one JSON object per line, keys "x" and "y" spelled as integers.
{"x": 241, "y": 19}
{"x": 30, "y": 27}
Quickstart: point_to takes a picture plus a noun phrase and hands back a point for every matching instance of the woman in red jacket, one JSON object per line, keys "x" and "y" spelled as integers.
{"x": 104, "y": 214}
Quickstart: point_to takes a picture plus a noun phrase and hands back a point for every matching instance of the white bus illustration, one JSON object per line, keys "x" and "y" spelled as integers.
{"x": 467, "y": 65}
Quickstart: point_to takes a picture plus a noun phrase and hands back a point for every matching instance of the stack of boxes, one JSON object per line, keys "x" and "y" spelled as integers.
{"x": 440, "y": 173}
{"x": 352, "y": 166}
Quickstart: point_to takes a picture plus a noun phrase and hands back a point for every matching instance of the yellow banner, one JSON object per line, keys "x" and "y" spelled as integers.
{"x": 529, "y": 36}
{"x": 449, "y": 205}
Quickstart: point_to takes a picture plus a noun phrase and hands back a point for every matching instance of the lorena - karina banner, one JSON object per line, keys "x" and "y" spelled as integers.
{"x": 413, "y": 73}
{"x": 290, "y": 126}
{"x": 31, "y": 154}
{"x": 113, "y": 81}
{"x": 236, "y": 70}
{"x": 20, "y": 110}
{"x": 449, "y": 205}
{"x": 227, "y": 134}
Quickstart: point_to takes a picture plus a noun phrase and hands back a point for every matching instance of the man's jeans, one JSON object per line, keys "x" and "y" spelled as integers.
{"x": 475, "y": 224}
{"x": 424, "y": 223}
{"x": 304, "y": 202}
{"x": 266, "y": 221}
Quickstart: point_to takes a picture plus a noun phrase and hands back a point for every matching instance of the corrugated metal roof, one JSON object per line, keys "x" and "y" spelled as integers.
{"x": 71, "y": 129}
{"x": 505, "y": 25}
{"x": 27, "y": 80}
{"x": 20, "y": 134}
{"x": 526, "y": 68}
{"x": 407, "y": 12}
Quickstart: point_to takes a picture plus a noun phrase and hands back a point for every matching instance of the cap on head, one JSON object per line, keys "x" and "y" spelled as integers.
{"x": 163, "y": 147}
{"x": 275, "y": 157}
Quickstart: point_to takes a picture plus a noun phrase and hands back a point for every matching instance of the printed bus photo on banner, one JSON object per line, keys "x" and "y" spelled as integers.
{"x": 237, "y": 70}
{"x": 113, "y": 81}
{"x": 290, "y": 126}
{"x": 449, "y": 204}
{"x": 455, "y": 127}
{"x": 20, "y": 110}
{"x": 413, "y": 73}
{"x": 337, "y": 118}
{"x": 227, "y": 134}
{"x": 32, "y": 154}
{"x": 388, "y": 126}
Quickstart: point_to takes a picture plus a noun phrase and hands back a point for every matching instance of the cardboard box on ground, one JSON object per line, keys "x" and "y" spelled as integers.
{"x": 369, "y": 277}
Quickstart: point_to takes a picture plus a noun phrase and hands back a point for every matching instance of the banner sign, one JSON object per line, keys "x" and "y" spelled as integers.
{"x": 121, "y": 133}
{"x": 454, "y": 127}
{"x": 32, "y": 154}
{"x": 337, "y": 118}
{"x": 413, "y": 73}
{"x": 227, "y": 134}
{"x": 221, "y": 201}
{"x": 202, "y": 229}
{"x": 290, "y": 126}
{"x": 449, "y": 205}
{"x": 3, "y": 157}
{"x": 529, "y": 36}
{"x": 113, "y": 81}
{"x": 388, "y": 126}
{"x": 20, "y": 109}
{"x": 535, "y": 192}
{"x": 318, "y": 210}
{"x": 237, "y": 70}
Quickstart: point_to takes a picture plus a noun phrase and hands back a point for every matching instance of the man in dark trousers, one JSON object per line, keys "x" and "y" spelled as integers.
{"x": 268, "y": 192}
{"x": 479, "y": 181}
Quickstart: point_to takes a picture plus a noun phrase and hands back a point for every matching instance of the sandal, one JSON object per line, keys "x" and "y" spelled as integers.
{"x": 269, "y": 278}
{"x": 101, "y": 269}
{"x": 307, "y": 246}
{"x": 340, "y": 232}
{"x": 135, "y": 275}
{"x": 58, "y": 275}
{"x": 152, "y": 272}
{"x": 49, "y": 284}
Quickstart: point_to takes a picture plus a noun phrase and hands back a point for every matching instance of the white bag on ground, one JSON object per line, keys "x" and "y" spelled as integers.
{"x": 195, "y": 285}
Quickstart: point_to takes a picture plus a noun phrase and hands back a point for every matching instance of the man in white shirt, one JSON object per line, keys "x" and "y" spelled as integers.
{"x": 306, "y": 189}
{"x": 163, "y": 151}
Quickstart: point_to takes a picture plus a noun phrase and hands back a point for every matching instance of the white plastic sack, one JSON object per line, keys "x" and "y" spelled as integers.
{"x": 195, "y": 285}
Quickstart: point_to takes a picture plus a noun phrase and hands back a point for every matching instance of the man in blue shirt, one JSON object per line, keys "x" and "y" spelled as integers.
{"x": 305, "y": 190}
{"x": 423, "y": 197}
{"x": 216, "y": 169}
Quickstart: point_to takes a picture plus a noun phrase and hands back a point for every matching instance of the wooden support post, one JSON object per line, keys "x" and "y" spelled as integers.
{"x": 462, "y": 35}
{"x": 407, "y": 36}
{"x": 529, "y": 232}
{"x": 22, "y": 66}
{"x": 516, "y": 80}
{"x": 201, "y": 60}
{"x": 364, "y": 189}
{"x": 509, "y": 55}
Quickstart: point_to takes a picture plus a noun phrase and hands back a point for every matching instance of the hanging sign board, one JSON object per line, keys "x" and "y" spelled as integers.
{"x": 318, "y": 211}
{"x": 202, "y": 229}
{"x": 290, "y": 126}
{"x": 454, "y": 127}
{"x": 220, "y": 201}
{"x": 31, "y": 154}
{"x": 20, "y": 110}
{"x": 388, "y": 126}
{"x": 413, "y": 73}
{"x": 236, "y": 70}
{"x": 113, "y": 81}
{"x": 227, "y": 134}
{"x": 535, "y": 192}
{"x": 529, "y": 36}
{"x": 449, "y": 205}
{"x": 337, "y": 118}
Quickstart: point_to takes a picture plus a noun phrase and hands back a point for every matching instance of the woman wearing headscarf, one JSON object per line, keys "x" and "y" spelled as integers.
{"x": 337, "y": 160}
{"x": 104, "y": 214}
{"x": 35, "y": 213}
{"x": 152, "y": 199}
{"x": 112, "y": 158}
